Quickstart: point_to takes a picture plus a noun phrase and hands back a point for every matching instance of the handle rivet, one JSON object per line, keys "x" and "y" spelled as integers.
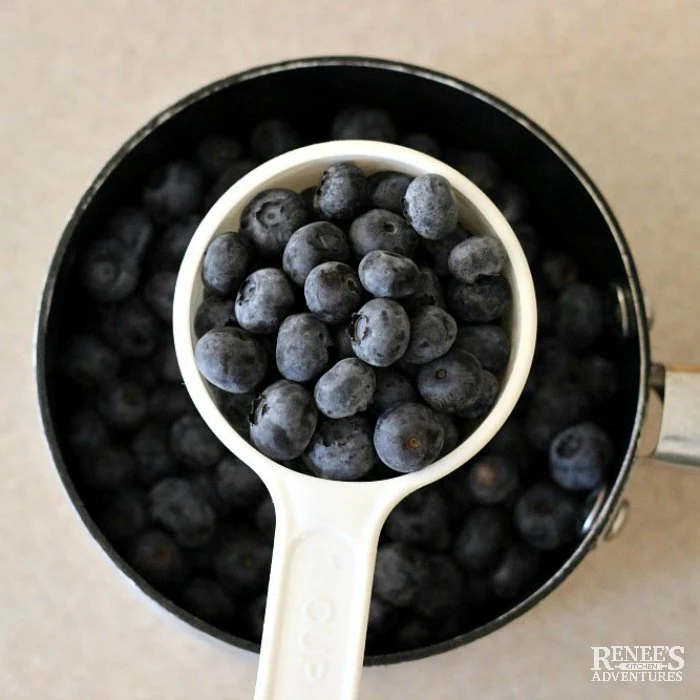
{"x": 618, "y": 520}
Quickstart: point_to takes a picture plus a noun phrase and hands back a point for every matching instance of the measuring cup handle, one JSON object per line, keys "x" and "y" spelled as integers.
{"x": 320, "y": 585}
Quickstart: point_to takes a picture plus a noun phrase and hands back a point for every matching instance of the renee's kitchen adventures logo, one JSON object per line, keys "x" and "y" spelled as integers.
{"x": 638, "y": 664}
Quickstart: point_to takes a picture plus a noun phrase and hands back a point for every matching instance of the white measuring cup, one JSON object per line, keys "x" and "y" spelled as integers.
{"x": 327, "y": 531}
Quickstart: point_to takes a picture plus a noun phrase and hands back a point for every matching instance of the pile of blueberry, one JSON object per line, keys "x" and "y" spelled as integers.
{"x": 197, "y": 524}
{"x": 367, "y": 365}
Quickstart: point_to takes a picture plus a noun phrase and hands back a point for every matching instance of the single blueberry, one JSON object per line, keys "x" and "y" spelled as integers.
{"x": 237, "y": 485}
{"x": 167, "y": 402}
{"x": 345, "y": 389}
{"x": 429, "y": 292}
{"x": 311, "y": 245}
{"x": 173, "y": 191}
{"x": 512, "y": 202}
{"x": 125, "y": 516}
{"x": 302, "y": 347}
{"x": 439, "y": 250}
{"x": 553, "y": 362}
{"x": 490, "y": 389}
{"x": 387, "y": 190}
{"x": 482, "y": 539}
{"x": 489, "y": 344}
{"x": 579, "y": 316}
{"x": 579, "y": 455}
{"x": 546, "y": 516}
{"x": 391, "y": 389}
{"x": 430, "y": 206}
{"x": 106, "y": 468}
{"x": 516, "y": 572}
{"x": 231, "y": 359}
{"x": 243, "y": 564}
{"x": 152, "y": 455}
{"x": 553, "y": 407}
{"x": 204, "y": 486}
{"x": 482, "y": 302}
{"x": 283, "y": 420}
{"x": 380, "y": 229}
{"x": 169, "y": 249}
{"x": 452, "y": 382}
{"x": 271, "y": 218}
{"x": 273, "y": 137}
{"x": 132, "y": 229}
{"x": 216, "y": 153}
{"x": 343, "y": 193}
{"x": 226, "y": 262}
{"x": 558, "y": 270}
{"x": 207, "y": 600}
{"x": 158, "y": 293}
{"x": 380, "y": 332}
{"x": 86, "y": 430}
{"x": 158, "y": 559}
{"x": 476, "y": 257}
{"x": 408, "y": 437}
{"x": 213, "y": 312}
{"x": 444, "y": 597}
{"x": 236, "y": 409}
{"x": 424, "y": 143}
{"x": 174, "y": 504}
{"x": 341, "y": 449}
{"x": 598, "y": 378}
{"x": 385, "y": 274}
{"x": 479, "y": 167}
{"x": 332, "y": 292}
{"x": 109, "y": 272}
{"x": 401, "y": 574}
{"x": 368, "y": 123}
{"x": 264, "y": 300}
{"x": 414, "y": 633}
{"x": 450, "y": 432}
{"x": 433, "y": 332}
{"x": 123, "y": 405}
{"x": 194, "y": 444}
{"x": 492, "y": 479}
{"x": 420, "y": 520}
{"x": 229, "y": 177}
{"x": 132, "y": 329}
{"x": 88, "y": 361}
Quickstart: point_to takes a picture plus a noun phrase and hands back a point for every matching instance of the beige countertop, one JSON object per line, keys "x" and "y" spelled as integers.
{"x": 618, "y": 83}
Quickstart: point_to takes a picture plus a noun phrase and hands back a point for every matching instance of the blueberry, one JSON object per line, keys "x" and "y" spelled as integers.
{"x": 387, "y": 190}
{"x": 88, "y": 361}
{"x": 265, "y": 518}
{"x": 341, "y": 449}
{"x": 444, "y": 596}
{"x": 429, "y": 292}
{"x": 430, "y": 206}
{"x": 479, "y": 167}
{"x": 243, "y": 564}
{"x": 193, "y": 443}
{"x": 216, "y": 153}
{"x": 553, "y": 362}
{"x": 283, "y": 420}
{"x": 237, "y": 485}
{"x": 173, "y": 191}
{"x": 482, "y": 539}
{"x": 414, "y": 633}
{"x": 598, "y": 378}
{"x": 226, "y": 262}
{"x": 212, "y": 313}
{"x": 106, "y": 468}
{"x": 380, "y": 332}
{"x": 345, "y": 389}
{"x": 408, "y": 437}
{"x": 529, "y": 241}
{"x": 558, "y": 270}
{"x": 204, "y": 487}
{"x": 489, "y": 344}
{"x": 174, "y": 504}
{"x": 125, "y": 516}
{"x": 579, "y": 316}
{"x": 86, "y": 430}
{"x": 302, "y": 347}
{"x": 482, "y": 302}
{"x": 108, "y": 272}
{"x": 158, "y": 559}
{"x": 420, "y": 520}
{"x": 385, "y": 274}
{"x": 145, "y": 373}
{"x": 169, "y": 249}
{"x": 382, "y": 621}
{"x": 152, "y": 455}
{"x": 490, "y": 389}
{"x": 123, "y": 405}
{"x": 229, "y": 177}
{"x": 391, "y": 389}
{"x": 380, "y": 229}
{"x": 271, "y": 218}
{"x": 208, "y": 601}
{"x": 492, "y": 479}
{"x": 343, "y": 193}
{"x": 264, "y": 300}
{"x": 512, "y": 202}
{"x": 401, "y": 574}
{"x": 516, "y": 572}
{"x": 553, "y": 407}
{"x": 440, "y": 250}
{"x": 165, "y": 362}
{"x": 475, "y": 258}
{"x": 272, "y": 138}
{"x": 369, "y": 123}
{"x": 424, "y": 143}
{"x": 158, "y": 293}
{"x": 342, "y": 343}
{"x": 231, "y": 359}
{"x": 132, "y": 229}
{"x": 546, "y": 516}
{"x": 511, "y": 441}
{"x": 332, "y": 292}
{"x": 433, "y": 331}
{"x": 236, "y": 408}
{"x": 311, "y": 245}
{"x": 579, "y": 455}
{"x": 132, "y": 329}
{"x": 451, "y": 382}
{"x": 450, "y": 432}
{"x": 168, "y": 402}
